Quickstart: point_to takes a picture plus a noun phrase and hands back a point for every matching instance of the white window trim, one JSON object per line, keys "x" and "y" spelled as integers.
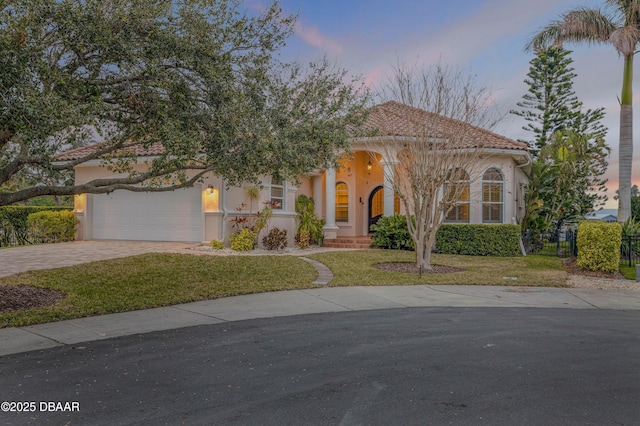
{"x": 502, "y": 194}
{"x": 468, "y": 203}
{"x": 283, "y": 203}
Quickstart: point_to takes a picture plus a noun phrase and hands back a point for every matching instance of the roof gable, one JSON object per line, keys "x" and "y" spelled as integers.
{"x": 393, "y": 119}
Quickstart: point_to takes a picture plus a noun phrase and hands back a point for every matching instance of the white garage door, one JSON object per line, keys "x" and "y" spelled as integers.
{"x": 148, "y": 216}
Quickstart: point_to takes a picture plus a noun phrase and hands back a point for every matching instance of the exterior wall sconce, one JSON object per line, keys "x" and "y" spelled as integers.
{"x": 369, "y": 166}
{"x": 210, "y": 199}
{"x": 79, "y": 203}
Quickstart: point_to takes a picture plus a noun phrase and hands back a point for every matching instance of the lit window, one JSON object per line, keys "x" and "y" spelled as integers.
{"x": 492, "y": 201}
{"x": 460, "y": 213}
{"x": 342, "y": 202}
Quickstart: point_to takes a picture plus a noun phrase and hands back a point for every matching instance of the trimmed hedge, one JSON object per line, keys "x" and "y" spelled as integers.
{"x": 599, "y": 245}
{"x": 14, "y": 227}
{"x": 392, "y": 232}
{"x": 479, "y": 240}
{"x": 52, "y": 226}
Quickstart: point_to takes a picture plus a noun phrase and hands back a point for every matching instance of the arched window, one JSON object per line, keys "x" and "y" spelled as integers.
{"x": 492, "y": 196}
{"x": 342, "y": 202}
{"x": 460, "y": 213}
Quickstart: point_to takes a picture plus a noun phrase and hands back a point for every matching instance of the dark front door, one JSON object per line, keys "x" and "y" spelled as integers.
{"x": 376, "y": 206}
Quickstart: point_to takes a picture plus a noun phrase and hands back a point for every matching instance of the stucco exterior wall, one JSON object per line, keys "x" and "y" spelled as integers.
{"x": 361, "y": 182}
{"x": 514, "y": 177}
{"x": 220, "y": 205}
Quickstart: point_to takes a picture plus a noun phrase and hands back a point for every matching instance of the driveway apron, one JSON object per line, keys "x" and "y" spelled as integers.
{"x": 46, "y": 256}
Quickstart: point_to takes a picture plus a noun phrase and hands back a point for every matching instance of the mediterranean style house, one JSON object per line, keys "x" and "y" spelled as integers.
{"x": 350, "y": 199}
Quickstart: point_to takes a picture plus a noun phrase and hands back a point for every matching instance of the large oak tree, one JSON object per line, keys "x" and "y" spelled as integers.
{"x": 196, "y": 82}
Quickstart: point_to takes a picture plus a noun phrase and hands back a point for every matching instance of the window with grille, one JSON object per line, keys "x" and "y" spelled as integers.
{"x": 460, "y": 213}
{"x": 342, "y": 202}
{"x": 492, "y": 196}
{"x": 277, "y": 194}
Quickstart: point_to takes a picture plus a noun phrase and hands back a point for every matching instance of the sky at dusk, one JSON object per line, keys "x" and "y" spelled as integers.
{"x": 485, "y": 38}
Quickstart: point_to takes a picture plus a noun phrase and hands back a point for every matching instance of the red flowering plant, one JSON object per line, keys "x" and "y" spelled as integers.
{"x": 254, "y": 222}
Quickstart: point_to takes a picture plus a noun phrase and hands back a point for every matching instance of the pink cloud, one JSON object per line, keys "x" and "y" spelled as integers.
{"x": 312, "y": 36}
{"x": 375, "y": 77}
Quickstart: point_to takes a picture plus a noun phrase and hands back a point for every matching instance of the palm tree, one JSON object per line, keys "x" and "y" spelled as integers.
{"x": 619, "y": 27}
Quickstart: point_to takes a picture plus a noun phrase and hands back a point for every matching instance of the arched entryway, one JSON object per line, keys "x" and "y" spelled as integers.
{"x": 376, "y": 205}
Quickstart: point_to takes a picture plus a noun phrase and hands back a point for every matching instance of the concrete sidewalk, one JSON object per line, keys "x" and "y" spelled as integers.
{"x": 299, "y": 302}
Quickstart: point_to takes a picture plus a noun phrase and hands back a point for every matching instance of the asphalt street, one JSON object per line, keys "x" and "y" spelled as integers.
{"x": 410, "y": 366}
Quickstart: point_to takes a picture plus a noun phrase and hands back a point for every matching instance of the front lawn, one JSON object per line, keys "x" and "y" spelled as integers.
{"x": 629, "y": 272}
{"x": 355, "y": 268}
{"x": 153, "y": 280}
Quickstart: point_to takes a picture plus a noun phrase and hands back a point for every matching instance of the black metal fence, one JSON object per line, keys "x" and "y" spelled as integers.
{"x": 630, "y": 250}
{"x": 561, "y": 242}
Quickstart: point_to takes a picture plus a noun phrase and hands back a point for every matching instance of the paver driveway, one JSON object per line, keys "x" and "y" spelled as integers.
{"x": 47, "y": 256}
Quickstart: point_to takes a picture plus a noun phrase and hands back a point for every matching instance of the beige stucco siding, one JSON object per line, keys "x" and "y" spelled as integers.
{"x": 219, "y": 205}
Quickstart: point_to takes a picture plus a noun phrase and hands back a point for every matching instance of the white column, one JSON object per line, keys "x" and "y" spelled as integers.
{"x": 388, "y": 188}
{"x": 330, "y": 228}
{"x": 317, "y": 194}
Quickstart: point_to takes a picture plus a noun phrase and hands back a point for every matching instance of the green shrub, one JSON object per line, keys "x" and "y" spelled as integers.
{"x": 392, "y": 232}
{"x": 65, "y": 201}
{"x": 243, "y": 240}
{"x": 276, "y": 239}
{"x": 52, "y": 226}
{"x": 631, "y": 226}
{"x": 479, "y": 240}
{"x": 307, "y": 219}
{"x": 303, "y": 239}
{"x": 599, "y": 245}
{"x": 13, "y": 223}
{"x": 218, "y": 245}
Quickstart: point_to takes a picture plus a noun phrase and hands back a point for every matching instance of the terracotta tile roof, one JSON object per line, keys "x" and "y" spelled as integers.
{"x": 138, "y": 150}
{"x": 387, "y": 119}
{"x": 398, "y": 120}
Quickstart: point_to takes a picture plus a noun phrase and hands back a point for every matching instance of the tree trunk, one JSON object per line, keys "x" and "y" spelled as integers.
{"x": 423, "y": 251}
{"x": 423, "y": 259}
{"x": 626, "y": 142}
{"x": 420, "y": 261}
{"x": 427, "y": 259}
{"x": 420, "y": 243}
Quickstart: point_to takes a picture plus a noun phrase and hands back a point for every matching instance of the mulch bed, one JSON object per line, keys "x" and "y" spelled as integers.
{"x": 573, "y": 269}
{"x": 14, "y": 298}
{"x": 410, "y": 268}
